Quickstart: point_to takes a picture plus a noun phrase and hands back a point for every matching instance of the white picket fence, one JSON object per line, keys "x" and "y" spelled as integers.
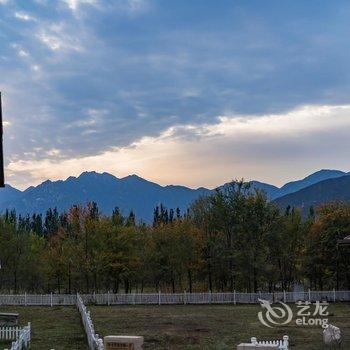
{"x": 282, "y": 344}
{"x": 171, "y": 298}
{"x": 37, "y": 299}
{"x": 9, "y": 333}
{"x": 22, "y": 339}
{"x": 94, "y": 341}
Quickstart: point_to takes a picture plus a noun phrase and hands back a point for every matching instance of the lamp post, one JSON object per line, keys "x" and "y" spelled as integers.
{"x": 2, "y": 176}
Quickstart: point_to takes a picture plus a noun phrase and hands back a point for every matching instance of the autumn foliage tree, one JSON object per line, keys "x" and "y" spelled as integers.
{"x": 233, "y": 239}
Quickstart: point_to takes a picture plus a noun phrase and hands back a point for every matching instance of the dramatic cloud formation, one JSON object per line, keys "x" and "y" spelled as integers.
{"x": 179, "y": 92}
{"x": 239, "y": 145}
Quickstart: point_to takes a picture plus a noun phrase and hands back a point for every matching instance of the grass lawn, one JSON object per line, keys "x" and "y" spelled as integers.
{"x": 216, "y": 327}
{"x": 56, "y": 328}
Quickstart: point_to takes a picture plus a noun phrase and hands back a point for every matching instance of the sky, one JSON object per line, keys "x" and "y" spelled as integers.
{"x": 190, "y": 92}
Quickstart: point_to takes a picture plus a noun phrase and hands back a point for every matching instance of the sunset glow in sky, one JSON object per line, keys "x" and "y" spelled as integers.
{"x": 183, "y": 92}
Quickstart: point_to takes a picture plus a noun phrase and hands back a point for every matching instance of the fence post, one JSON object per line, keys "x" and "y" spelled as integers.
{"x": 185, "y": 301}
{"x": 284, "y": 296}
{"x": 108, "y": 298}
{"x": 159, "y": 301}
{"x": 234, "y": 297}
{"x": 309, "y": 294}
{"x": 334, "y": 297}
{"x": 25, "y": 299}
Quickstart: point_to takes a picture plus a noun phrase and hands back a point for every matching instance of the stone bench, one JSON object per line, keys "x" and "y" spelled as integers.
{"x": 8, "y": 319}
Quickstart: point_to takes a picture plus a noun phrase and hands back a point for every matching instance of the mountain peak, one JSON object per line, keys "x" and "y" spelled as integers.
{"x": 46, "y": 182}
{"x": 133, "y": 178}
{"x": 88, "y": 174}
{"x": 92, "y": 175}
{"x": 309, "y": 180}
{"x": 326, "y": 173}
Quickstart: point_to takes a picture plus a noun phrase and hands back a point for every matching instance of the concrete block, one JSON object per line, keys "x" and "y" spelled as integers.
{"x": 123, "y": 342}
{"x": 250, "y": 346}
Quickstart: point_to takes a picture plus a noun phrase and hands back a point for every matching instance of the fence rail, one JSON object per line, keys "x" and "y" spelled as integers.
{"x": 94, "y": 341}
{"x": 171, "y": 298}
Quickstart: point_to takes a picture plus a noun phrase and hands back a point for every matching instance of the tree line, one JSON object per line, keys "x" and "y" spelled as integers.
{"x": 233, "y": 239}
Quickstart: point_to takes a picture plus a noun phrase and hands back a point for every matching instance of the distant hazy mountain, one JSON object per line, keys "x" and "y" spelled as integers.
{"x": 336, "y": 189}
{"x": 274, "y": 192}
{"x": 321, "y": 175}
{"x": 135, "y": 193}
{"x": 271, "y": 190}
{"x": 9, "y": 193}
{"x": 128, "y": 193}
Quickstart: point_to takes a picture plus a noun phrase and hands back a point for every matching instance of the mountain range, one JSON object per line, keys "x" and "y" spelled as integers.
{"x": 333, "y": 189}
{"x": 137, "y": 194}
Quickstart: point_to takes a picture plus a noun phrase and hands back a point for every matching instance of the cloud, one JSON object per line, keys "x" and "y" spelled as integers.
{"x": 253, "y": 148}
{"x": 53, "y": 152}
{"x": 91, "y": 77}
{"x": 75, "y": 4}
{"x": 24, "y": 16}
{"x": 58, "y": 37}
{"x": 21, "y": 52}
{"x": 136, "y": 6}
{"x": 35, "y": 68}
